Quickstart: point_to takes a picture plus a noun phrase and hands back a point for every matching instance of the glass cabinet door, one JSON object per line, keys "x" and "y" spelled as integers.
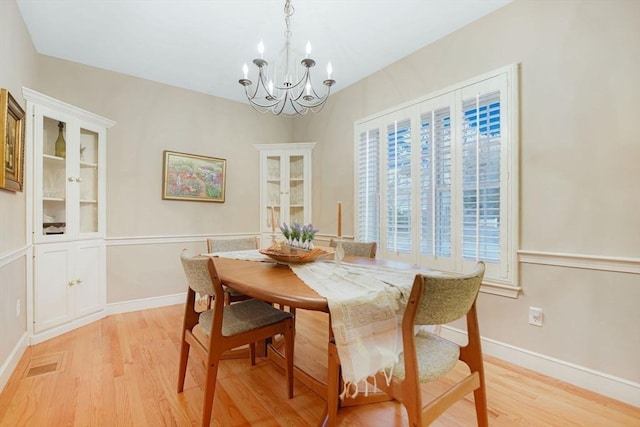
{"x": 296, "y": 189}
{"x": 274, "y": 193}
{"x": 88, "y": 181}
{"x": 53, "y": 178}
{"x": 68, "y": 179}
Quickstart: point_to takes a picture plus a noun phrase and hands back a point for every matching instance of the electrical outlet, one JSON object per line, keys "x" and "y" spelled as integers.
{"x": 18, "y": 306}
{"x": 535, "y": 316}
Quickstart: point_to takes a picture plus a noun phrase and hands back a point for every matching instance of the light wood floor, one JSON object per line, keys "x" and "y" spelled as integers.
{"x": 122, "y": 371}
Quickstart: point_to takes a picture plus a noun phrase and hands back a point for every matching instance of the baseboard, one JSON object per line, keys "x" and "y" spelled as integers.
{"x": 599, "y": 382}
{"x": 9, "y": 365}
{"x": 146, "y": 303}
{"x": 45, "y": 335}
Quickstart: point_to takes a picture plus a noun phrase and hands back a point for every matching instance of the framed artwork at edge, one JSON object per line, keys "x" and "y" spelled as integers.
{"x": 12, "y": 125}
{"x": 193, "y": 177}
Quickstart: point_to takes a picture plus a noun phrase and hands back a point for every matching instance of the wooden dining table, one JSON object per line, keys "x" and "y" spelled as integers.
{"x": 278, "y": 284}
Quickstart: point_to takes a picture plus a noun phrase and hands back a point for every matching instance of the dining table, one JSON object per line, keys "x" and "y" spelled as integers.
{"x": 278, "y": 284}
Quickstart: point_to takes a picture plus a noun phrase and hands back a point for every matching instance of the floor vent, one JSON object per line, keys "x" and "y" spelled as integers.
{"x": 43, "y": 365}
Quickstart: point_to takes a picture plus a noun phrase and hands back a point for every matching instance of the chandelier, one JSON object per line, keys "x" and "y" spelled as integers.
{"x": 292, "y": 94}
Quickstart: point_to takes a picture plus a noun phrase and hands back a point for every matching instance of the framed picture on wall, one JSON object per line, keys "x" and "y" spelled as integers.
{"x": 12, "y": 140}
{"x": 193, "y": 177}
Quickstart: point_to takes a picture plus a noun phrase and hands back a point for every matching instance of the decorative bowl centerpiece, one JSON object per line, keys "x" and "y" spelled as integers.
{"x": 297, "y": 248}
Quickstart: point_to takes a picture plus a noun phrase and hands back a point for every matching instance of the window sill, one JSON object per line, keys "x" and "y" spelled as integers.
{"x": 499, "y": 289}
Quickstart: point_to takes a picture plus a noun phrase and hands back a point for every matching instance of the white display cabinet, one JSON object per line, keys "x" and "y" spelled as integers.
{"x": 285, "y": 186}
{"x": 68, "y": 199}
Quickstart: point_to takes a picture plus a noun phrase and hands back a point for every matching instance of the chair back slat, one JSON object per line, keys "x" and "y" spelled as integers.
{"x": 445, "y": 299}
{"x": 197, "y": 272}
{"x": 362, "y": 249}
{"x": 228, "y": 245}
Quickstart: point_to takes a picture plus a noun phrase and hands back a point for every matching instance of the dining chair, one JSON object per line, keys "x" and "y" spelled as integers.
{"x": 434, "y": 300}
{"x": 223, "y": 327}
{"x": 363, "y": 249}
{"x": 228, "y": 245}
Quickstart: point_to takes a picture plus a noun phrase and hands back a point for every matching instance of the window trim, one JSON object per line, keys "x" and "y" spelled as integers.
{"x": 509, "y": 151}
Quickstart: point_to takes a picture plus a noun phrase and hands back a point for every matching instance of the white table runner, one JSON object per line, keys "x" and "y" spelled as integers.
{"x": 245, "y": 255}
{"x": 366, "y": 305}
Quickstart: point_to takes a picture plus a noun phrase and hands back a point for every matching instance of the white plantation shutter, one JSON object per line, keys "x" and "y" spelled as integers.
{"x": 437, "y": 179}
{"x": 435, "y": 183}
{"x": 368, "y": 173}
{"x": 481, "y": 140}
{"x": 398, "y": 201}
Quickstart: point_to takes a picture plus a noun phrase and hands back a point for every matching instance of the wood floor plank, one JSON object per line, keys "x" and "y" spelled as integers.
{"x": 122, "y": 371}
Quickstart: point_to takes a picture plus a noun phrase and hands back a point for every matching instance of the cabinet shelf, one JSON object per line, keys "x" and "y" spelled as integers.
{"x": 53, "y": 224}
{"x": 88, "y": 201}
{"x": 88, "y": 165}
{"x": 53, "y": 199}
{"x": 53, "y": 158}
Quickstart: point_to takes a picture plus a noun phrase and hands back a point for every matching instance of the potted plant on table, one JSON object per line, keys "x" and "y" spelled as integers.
{"x": 298, "y": 236}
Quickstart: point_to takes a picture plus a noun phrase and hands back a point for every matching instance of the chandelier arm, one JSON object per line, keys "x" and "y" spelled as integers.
{"x": 262, "y": 79}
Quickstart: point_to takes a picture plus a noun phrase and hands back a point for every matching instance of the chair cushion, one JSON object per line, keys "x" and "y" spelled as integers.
{"x": 243, "y": 316}
{"x": 436, "y": 356}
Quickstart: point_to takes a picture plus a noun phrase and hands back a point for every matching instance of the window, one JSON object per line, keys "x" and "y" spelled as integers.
{"x": 437, "y": 179}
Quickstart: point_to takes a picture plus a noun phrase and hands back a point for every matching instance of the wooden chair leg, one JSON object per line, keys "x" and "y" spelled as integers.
{"x": 480, "y": 399}
{"x": 209, "y": 392}
{"x": 289, "y": 338}
{"x": 333, "y": 384}
{"x": 182, "y": 368}
{"x": 252, "y": 353}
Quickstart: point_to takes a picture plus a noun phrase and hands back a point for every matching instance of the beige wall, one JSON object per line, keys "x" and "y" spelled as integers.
{"x": 17, "y": 68}
{"x": 580, "y": 121}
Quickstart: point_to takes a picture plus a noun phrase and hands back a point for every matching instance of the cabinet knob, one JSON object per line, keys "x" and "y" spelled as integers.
{"x": 78, "y": 281}
{"x": 71, "y": 283}
{"x": 78, "y": 179}
{"x": 70, "y": 179}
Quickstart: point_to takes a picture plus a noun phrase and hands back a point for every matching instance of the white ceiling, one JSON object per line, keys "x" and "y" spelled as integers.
{"x": 202, "y": 44}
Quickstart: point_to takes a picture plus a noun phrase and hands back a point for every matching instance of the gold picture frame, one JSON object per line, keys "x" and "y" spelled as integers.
{"x": 193, "y": 177}
{"x": 12, "y": 140}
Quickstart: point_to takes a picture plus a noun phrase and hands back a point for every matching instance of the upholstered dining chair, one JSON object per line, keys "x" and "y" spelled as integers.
{"x": 434, "y": 300}
{"x": 228, "y": 245}
{"x": 363, "y": 249}
{"x": 224, "y": 327}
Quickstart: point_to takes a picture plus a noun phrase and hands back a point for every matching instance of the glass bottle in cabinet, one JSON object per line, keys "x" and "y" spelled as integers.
{"x": 61, "y": 144}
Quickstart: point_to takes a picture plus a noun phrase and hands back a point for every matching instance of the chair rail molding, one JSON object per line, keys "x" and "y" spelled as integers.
{"x": 185, "y": 238}
{"x": 589, "y": 262}
{"x": 14, "y": 255}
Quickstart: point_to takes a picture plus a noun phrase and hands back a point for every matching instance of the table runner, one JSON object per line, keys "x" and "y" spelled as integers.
{"x": 366, "y": 305}
{"x": 245, "y": 255}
